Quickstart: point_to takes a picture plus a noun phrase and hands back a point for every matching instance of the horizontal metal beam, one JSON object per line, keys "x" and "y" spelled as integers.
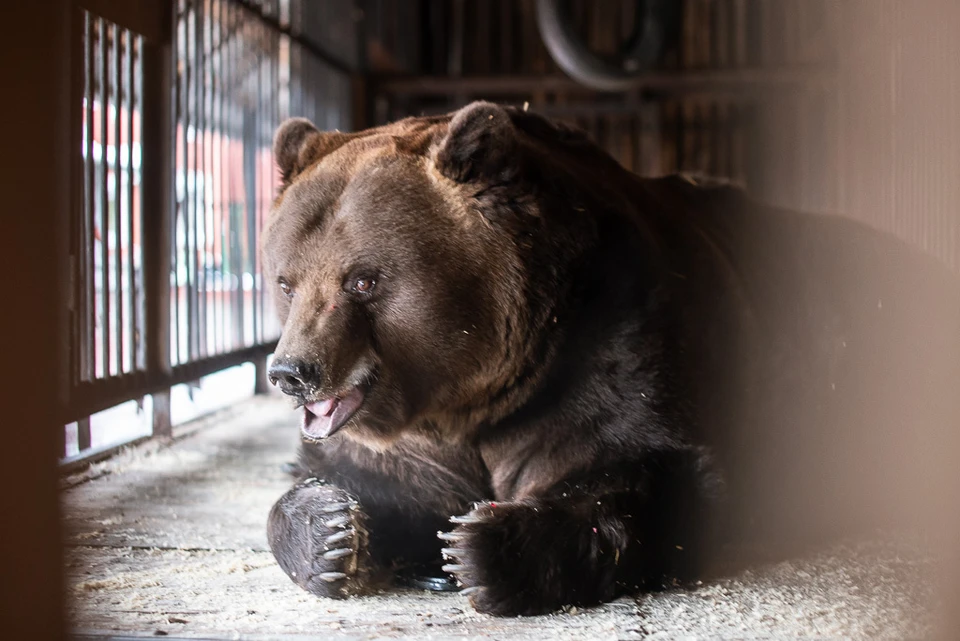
{"x": 95, "y": 396}
{"x": 680, "y": 82}
{"x": 86, "y": 458}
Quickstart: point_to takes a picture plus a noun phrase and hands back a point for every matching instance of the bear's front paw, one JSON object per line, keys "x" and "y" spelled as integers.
{"x": 522, "y": 558}
{"x": 317, "y": 535}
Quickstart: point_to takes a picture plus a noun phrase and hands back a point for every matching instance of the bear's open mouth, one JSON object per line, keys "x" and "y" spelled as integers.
{"x": 324, "y": 417}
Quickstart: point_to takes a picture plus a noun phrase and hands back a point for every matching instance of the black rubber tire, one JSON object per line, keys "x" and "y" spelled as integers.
{"x": 657, "y": 24}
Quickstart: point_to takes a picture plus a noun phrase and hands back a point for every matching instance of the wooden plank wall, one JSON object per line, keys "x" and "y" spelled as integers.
{"x": 649, "y": 132}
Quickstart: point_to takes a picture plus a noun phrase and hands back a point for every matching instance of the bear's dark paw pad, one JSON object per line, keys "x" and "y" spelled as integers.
{"x": 484, "y": 555}
{"x": 318, "y": 536}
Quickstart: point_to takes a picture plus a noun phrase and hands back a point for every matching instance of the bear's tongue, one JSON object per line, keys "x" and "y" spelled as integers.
{"x": 323, "y": 418}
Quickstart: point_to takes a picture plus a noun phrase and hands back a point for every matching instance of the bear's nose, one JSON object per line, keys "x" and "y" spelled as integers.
{"x": 294, "y": 377}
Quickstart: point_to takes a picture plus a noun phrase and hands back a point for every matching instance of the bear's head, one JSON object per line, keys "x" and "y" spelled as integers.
{"x": 419, "y": 269}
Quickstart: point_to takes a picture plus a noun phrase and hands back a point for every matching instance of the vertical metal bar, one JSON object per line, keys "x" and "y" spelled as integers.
{"x": 215, "y": 282}
{"x": 250, "y": 151}
{"x": 263, "y": 117}
{"x": 202, "y": 191}
{"x": 87, "y": 310}
{"x": 157, "y": 189}
{"x": 211, "y": 215}
{"x": 229, "y": 82}
{"x": 183, "y": 245}
{"x": 194, "y": 258}
{"x": 83, "y": 433}
{"x": 254, "y": 213}
{"x": 105, "y": 334}
{"x": 263, "y": 155}
{"x": 225, "y": 119}
{"x": 180, "y": 150}
{"x": 162, "y": 425}
{"x": 255, "y": 141}
{"x": 188, "y": 183}
{"x": 266, "y": 166}
{"x": 246, "y": 82}
{"x": 206, "y": 111}
{"x": 212, "y": 205}
{"x": 216, "y": 165}
{"x": 251, "y": 120}
{"x": 118, "y": 34}
{"x": 216, "y": 150}
{"x": 224, "y": 169}
{"x": 190, "y": 254}
{"x": 77, "y": 97}
{"x": 202, "y": 194}
{"x": 133, "y": 346}
{"x": 237, "y": 171}
{"x": 230, "y": 89}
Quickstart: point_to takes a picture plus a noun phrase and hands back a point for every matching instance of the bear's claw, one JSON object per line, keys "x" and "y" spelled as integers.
{"x": 330, "y": 577}
{"x": 340, "y": 536}
{"x": 486, "y": 558}
{"x": 459, "y": 555}
{"x": 343, "y": 545}
{"x": 465, "y": 519}
{"x": 338, "y": 507}
{"x": 449, "y": 536}
{"x": 339, "y": 521}
{"x": 317, "y": 535}
{"x": 337, "y": 554}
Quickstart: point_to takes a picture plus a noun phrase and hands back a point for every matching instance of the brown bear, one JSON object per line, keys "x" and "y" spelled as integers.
{"x": 586, "y": 382}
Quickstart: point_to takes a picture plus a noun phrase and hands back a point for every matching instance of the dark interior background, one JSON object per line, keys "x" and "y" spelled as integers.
{"x": 838, "y": 107}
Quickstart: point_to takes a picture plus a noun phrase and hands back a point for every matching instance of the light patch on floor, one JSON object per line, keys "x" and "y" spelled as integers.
{"x": 170, "y": 541}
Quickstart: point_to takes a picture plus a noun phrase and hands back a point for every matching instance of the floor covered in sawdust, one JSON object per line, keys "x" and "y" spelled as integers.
{"x": 169, "y": 541}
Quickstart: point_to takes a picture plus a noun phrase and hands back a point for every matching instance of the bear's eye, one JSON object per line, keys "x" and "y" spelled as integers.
{"x": 285, "y": 288}
{"x": 364, "y": 285}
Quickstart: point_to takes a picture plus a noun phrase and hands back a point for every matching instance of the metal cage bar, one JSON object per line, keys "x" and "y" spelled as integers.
{"x": 174, "y": 180}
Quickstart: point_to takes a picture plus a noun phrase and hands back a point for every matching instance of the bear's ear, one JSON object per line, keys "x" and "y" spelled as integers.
{"x": 298, "y": 144}
{"x": 480, "y": 145}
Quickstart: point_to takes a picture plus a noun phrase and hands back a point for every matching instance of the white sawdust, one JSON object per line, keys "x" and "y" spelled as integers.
{"x": 124, "y": 576}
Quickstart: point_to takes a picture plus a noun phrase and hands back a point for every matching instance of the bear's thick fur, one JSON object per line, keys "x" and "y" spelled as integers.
{"x": 608, "y": 382}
